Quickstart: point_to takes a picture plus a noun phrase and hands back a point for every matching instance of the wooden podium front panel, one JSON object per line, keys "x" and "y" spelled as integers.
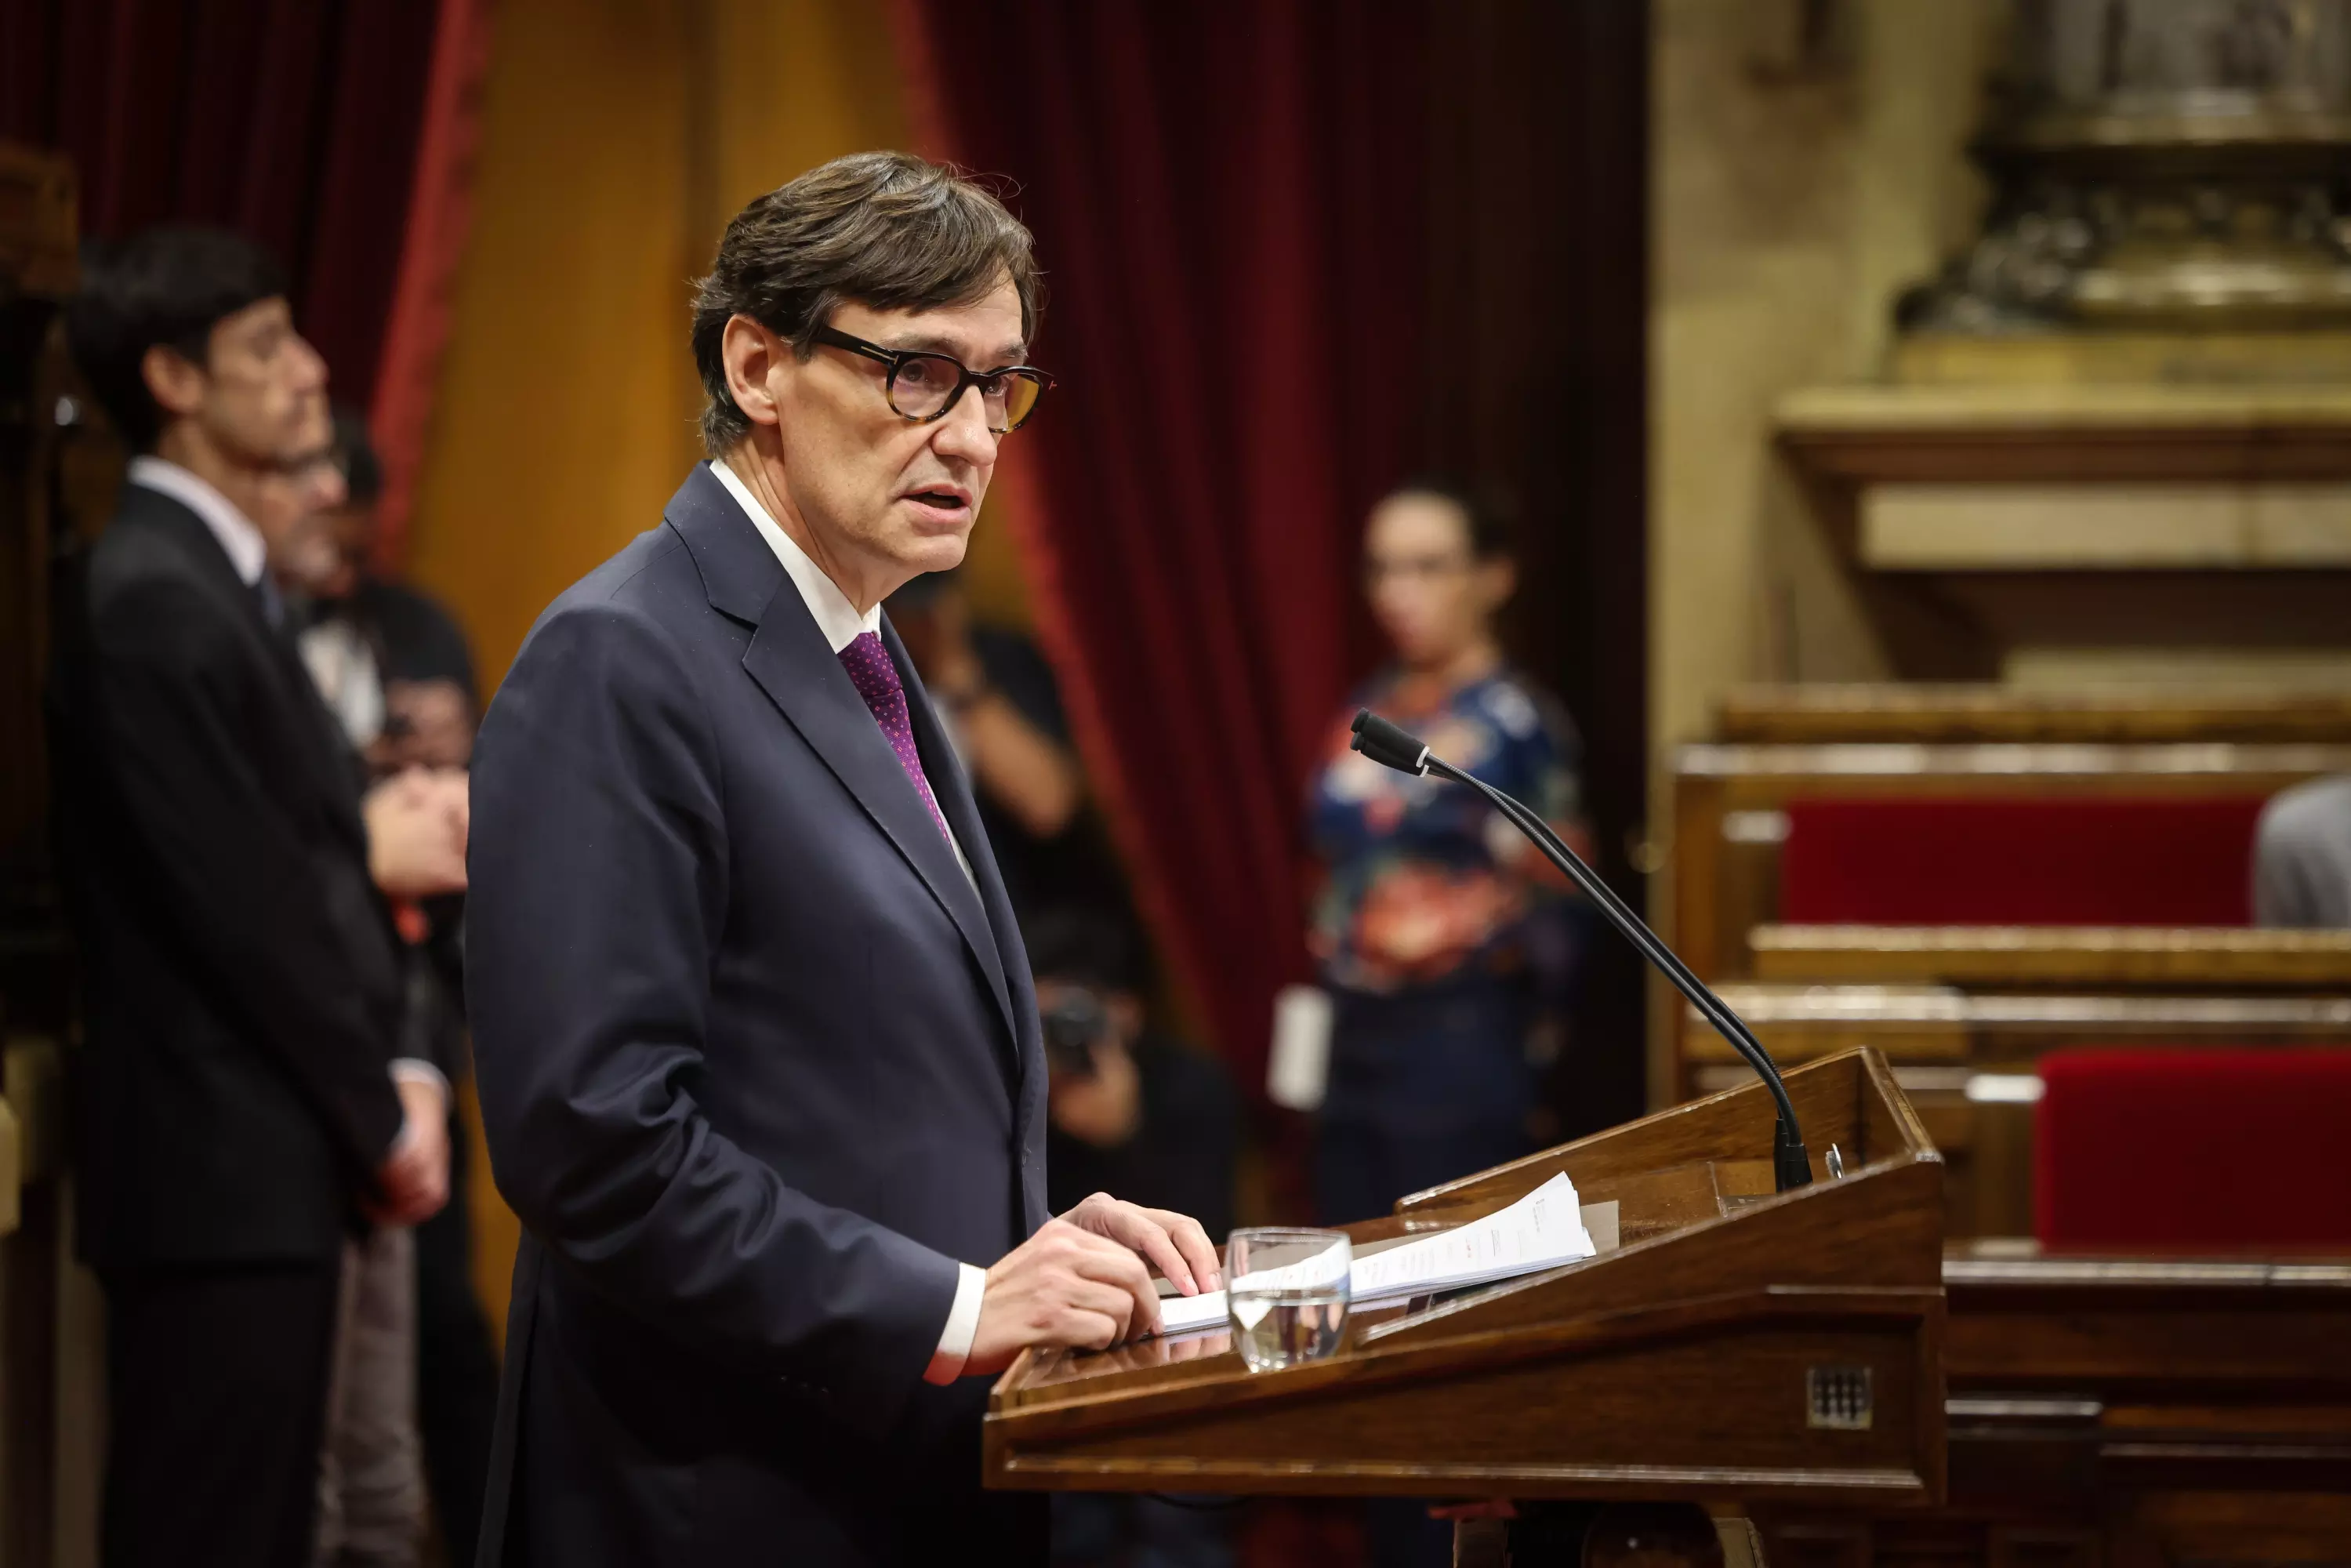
{"x": 1682, "y": 1364}
{"x": 1699, "y": 1404}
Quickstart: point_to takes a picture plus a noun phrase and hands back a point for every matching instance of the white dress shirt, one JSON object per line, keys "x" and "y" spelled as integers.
{"x": 838, "y": 618}
{"x": 344, "y": 668}
{"x": 248, "y": 553}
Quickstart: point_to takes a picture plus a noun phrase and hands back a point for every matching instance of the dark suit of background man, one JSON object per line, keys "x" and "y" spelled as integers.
{"x": 236, "y": 1098}
{"x": 758, "y": 1052}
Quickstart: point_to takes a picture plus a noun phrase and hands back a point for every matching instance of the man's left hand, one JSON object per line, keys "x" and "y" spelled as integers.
{"x": 1173, "y": 1243}
{"x": 417, "y": 828}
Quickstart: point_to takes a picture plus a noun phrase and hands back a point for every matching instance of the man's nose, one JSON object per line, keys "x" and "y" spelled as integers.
{"x": 311, "y": 366}
{"x": 964, "y": 433}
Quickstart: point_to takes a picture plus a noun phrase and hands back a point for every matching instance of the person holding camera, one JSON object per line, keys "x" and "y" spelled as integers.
{"x": 1136, "y": 1112}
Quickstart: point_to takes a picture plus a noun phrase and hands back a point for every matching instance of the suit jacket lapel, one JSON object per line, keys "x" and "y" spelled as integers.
{"x": 803, "y": 677}
{"x": 334, "y": 769}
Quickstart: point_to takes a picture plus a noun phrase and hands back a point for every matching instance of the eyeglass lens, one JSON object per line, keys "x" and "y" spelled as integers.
{"x": 924, "y": 383}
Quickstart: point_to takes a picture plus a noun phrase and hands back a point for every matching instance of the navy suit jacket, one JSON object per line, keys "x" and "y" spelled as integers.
{"x": 759, "y": 1065}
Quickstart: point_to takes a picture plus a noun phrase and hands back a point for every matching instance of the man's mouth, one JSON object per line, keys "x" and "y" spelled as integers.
{"x": 945, "y": 502}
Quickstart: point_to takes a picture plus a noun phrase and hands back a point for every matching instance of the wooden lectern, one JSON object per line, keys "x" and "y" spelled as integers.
{"x": 1734, "y": 1346}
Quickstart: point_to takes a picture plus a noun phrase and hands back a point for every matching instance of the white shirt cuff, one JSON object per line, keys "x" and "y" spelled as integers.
{"x": 962, "y": 1324}
{"x": 417, "y": 1069}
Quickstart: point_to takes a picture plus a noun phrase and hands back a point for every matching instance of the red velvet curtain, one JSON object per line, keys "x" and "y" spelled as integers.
{"x": 296, "y": 122}
{"x": 440, "y": 211}
{"x": 1228, "y": 199}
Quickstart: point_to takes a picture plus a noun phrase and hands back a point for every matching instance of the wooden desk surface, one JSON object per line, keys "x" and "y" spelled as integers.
{"x": 1649, "y": 1204}
{"x": 2254, "y": 1328}
{"x": 2125, "y": 1412}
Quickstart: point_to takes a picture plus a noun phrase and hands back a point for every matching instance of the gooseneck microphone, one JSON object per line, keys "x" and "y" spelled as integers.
{"x": 1389, "y": 745}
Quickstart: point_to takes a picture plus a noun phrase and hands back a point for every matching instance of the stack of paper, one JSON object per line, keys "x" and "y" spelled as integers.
{"x": 1542, "y": 1229}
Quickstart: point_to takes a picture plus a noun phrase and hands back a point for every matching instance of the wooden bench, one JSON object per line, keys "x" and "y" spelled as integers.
{"x": 1733, "y": 804}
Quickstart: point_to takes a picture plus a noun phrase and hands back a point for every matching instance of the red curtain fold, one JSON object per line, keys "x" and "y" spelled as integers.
{"x": 296, "y": 122}
{"x": 440, "y": 211}
{"x": 1227, "y": 202}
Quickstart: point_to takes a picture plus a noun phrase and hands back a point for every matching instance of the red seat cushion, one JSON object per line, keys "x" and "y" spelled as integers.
{"x": 2181, "y": 1148}
{"x": 2052, "y": 861}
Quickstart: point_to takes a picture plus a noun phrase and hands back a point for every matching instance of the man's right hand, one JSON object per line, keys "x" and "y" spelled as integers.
{"x": 1062, "y": 1287}
{"x": 416, "y": 826}
{"x": 412, "y": 1182}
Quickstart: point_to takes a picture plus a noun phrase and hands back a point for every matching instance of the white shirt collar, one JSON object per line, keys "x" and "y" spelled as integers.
{"x": 247, "y": 550}
{"x": 836, "y": 617}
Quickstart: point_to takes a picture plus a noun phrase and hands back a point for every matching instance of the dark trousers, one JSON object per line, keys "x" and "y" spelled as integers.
{"x": 1360, "y": 1169}
{"x": 216, "y": 1405}
{"x": 1426, "y": 1085}
{"x": 1100, "y": 1530}
{"x": 456, "y": 1368}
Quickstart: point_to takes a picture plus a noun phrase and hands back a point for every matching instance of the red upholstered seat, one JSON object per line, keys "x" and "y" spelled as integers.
{"x": 2050, "y": 861}
{"x": 2176, "y": 1148}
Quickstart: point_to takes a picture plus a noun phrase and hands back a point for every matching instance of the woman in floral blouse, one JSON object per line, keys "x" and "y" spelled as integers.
{"x": 1435, "y": 919}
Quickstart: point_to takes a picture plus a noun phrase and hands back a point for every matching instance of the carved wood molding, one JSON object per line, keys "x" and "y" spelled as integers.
{"x": 2211, "y": 956}
{"x": 1855, "y": 435}
{"x": 37, "y": 222}
{"x": 1945, "y": 713}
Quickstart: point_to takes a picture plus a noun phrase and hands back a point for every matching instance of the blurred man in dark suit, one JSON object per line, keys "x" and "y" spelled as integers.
{"x": 757, "y": 1049}
{"x": 239, "y": 1102}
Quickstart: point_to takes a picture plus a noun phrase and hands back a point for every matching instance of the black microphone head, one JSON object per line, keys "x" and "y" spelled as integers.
{"x": 1385, "y": 744}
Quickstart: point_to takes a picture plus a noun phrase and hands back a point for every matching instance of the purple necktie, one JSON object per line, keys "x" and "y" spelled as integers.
{"x": 876, "y": 680}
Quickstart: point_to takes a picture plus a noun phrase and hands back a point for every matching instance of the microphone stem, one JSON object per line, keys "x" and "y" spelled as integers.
{"x": 1790, "y": 1163}
{"x": 1715, "y": 1009}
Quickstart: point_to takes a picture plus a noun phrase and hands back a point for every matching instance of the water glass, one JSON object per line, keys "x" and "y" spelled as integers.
{"x": 1286, "y": 1294}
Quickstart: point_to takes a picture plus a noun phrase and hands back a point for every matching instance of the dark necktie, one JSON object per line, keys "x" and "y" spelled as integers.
{"x": 272, "y": 602}
{"x": 876, "y": 680}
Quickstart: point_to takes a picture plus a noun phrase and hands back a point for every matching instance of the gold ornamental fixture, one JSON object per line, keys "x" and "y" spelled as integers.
{"x": 2161, "y": 165}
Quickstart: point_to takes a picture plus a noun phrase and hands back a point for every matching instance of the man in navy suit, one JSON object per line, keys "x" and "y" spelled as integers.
{"x": 757, "y": 1052}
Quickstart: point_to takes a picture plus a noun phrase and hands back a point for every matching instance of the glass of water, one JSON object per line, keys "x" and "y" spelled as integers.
{"x": 1286, "y": 1293}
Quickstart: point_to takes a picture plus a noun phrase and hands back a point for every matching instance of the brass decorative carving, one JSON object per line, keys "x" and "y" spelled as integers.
{"x": 2161, "y": 163}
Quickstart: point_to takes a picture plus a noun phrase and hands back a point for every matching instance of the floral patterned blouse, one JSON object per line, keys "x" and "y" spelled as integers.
{"x": 1423, "y": 881}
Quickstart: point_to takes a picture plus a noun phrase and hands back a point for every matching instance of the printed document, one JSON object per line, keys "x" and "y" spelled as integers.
{"x": 1540, "y": 1231}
